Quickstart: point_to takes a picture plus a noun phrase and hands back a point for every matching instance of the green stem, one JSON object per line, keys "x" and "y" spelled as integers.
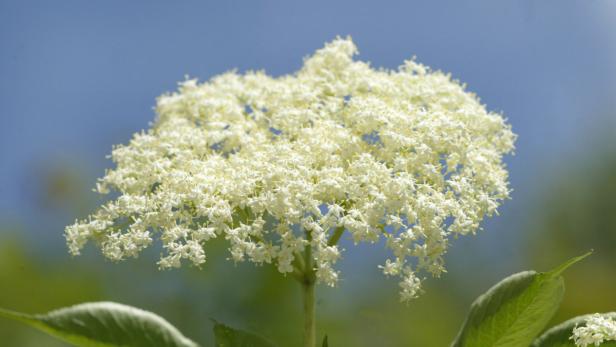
{"x": 304, "y": 272}
{"x": 333, "y": 240}
{"x": 308, "y": 288}
{"x": 309, "y": 314}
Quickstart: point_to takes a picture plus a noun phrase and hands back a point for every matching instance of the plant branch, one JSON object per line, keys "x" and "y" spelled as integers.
{"x": 308, "y": 295}
{"x": 333, "y": 240}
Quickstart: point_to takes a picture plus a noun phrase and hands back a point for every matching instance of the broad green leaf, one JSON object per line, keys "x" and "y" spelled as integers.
{"x": 515, "y": 310}
{"x": 325, "y": 344}
{"x": 559, "y": 336}
{"x": 229, "y": 337}
{"x": 105, "y": 324}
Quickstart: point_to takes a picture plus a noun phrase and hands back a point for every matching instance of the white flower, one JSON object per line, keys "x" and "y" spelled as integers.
{"x": 597, "y": 330}
{"x": 405, "y": 155}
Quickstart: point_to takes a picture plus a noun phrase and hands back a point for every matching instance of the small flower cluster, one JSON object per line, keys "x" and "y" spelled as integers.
{"x": 275, "y": 164}
{"x": 598, "y": 329}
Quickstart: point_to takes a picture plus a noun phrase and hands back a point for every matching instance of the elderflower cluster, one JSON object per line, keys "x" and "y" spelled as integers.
{"x": 597, "y": 329}
{"x": 274, "y": 165}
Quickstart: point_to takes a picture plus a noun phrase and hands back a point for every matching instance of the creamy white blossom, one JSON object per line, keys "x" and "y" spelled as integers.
{"x": 275, "y": 164}
{"x": 597, "y": 329}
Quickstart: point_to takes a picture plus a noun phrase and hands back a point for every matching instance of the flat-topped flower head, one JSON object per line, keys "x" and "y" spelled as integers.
{"x": 275, "y": 164}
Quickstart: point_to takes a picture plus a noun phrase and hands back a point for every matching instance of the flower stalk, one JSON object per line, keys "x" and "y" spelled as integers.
{"x": 308, "y": 294}
{"x": 308, "y": 283}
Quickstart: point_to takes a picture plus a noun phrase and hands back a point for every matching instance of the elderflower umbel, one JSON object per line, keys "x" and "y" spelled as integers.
{"x": 597, "y": 329}
{"x": 275, "y": 164}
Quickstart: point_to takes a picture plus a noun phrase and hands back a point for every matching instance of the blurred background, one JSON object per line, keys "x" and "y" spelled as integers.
{"x": 78, "y": 77}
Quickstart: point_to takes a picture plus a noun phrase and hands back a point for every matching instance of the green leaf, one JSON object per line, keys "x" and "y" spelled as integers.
{"x": 229, "y": 337}
{"x": 559, "y": 336}
{"x": 515, "y": 310}
{"x": 105, "y": 324}
{"x": 325, "y": 344}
